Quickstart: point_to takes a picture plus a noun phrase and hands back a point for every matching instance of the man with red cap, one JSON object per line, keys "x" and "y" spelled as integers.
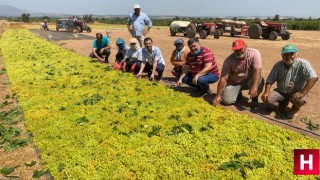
{"x": 241, "y": 70}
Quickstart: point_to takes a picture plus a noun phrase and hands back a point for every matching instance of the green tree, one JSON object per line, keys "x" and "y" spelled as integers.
{"x": 276, "y": 17}
{"x": 88, "y": 18}
{"x": 25, "y": 17}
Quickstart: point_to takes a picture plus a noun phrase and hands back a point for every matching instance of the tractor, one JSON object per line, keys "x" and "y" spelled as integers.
{"x": 232, "y": 27}
{"x": 203, "y": 28}
{"x": 178, "y": 27}
{"x": 82, "y": 26}
{"x": 79, "y": 27}
{"x": 268, "y": 30}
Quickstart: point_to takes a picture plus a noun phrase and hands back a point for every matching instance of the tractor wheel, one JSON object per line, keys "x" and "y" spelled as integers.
{"x": 172, "y": 32}
{"x": 191, "y": 30}
{"x": 254, "y": 31}
{"x": 203, "y": 34}
{"x": 286, "y": 36}
{"x": 77, "y": 29}
{"x": 221, "y": 31}
{"x": 217, "y": 34}
{"x": 273, "y": 35}
{"x": 88, "y": 29}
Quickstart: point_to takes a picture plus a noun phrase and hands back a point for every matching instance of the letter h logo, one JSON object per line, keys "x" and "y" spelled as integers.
{"x": 306, "y": 162}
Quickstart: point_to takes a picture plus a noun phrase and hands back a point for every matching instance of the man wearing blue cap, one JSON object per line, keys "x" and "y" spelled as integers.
{"x": 294, "y": 77}
{"x": 179, "y": 57}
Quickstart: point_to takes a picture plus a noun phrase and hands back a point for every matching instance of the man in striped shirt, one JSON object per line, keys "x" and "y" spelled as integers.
{"x": 240, "y": 71}
{"x": 294, "y": 77}
{"x": 200, "y": 69}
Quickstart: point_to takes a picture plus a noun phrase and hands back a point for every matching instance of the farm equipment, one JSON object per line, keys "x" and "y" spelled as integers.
{"x": 268, "y": 30}
{"x": 80, "y": 26}
{"x": 204, "y": 29}
{"x": 178, "y": 27}
{"x": 232, "y": 27}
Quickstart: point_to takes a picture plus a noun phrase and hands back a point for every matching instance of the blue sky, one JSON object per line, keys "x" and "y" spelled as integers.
{"x": 215, "y": 8}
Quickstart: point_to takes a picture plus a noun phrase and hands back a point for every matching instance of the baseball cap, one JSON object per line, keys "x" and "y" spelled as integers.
{"x": 178, "y": 41}
{"x": 136, "y": 6}
{"x": 238, "y": 44}
{"x": 289, "y": 48}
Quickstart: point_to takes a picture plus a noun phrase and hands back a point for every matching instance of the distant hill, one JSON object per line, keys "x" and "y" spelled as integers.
{"x": 9, "y": 11}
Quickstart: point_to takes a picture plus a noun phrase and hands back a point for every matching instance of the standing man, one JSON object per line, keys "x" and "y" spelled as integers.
{"x": 294, "y": 77}
{"x": 138, "y": 20}
{"x": 152, "y": 60}
{"x": 240, "y": 71}
{"x": 200, "y": 69}
{"x": 101, "y": 47}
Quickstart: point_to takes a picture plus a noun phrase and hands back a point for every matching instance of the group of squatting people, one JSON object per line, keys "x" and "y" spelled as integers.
{"x": 196, "y": 66}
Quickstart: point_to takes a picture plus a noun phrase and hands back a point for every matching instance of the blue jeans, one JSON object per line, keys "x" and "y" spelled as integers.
{"x": 203, "y": 81}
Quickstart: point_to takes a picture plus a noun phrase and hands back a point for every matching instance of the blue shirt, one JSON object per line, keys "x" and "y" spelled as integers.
{"x": 151, "y": 56}
{"x": 99, "y": 45}
{"x": 138, "y": 23}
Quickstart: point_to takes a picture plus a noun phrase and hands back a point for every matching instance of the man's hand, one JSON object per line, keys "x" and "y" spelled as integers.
{"x": 195, "y": 80}
{"x": 152, "y": 77}
{"x": 145, "y": 32}
{"x": 265, "y": 97}
{"x": 296, "y": 96}
{"x": 101, "y": 60}
{"x": 253, "y": 92}
{"x": 101, "y": 51}
{"x": 179, "y": 82}
{"x": 139, "y": 75}
{"x": 130, "y": 31}
{"x": 216, "y": 100}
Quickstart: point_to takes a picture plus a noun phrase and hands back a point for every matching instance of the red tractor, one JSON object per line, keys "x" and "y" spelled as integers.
{"x": 268, "y": 30}
{"x": 204, "y": 29}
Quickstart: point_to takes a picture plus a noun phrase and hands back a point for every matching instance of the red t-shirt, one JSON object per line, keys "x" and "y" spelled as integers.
{"x": 197, "y": 63}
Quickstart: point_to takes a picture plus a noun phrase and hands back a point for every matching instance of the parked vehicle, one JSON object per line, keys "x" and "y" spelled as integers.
{"x": 268, "y": 30}
{"x": 80, "y": 26}
{"x": 178, "y": 27}
{"x": 203, "y": 28}
{"x": 232, "y": 27}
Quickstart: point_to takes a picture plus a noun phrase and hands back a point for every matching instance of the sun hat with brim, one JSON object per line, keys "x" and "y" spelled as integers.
{"x": 289, "y": 49}
{"x": 136, "y": 6}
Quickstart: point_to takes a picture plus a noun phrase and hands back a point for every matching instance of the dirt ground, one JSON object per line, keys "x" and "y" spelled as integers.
{"x": 306, "y": 41}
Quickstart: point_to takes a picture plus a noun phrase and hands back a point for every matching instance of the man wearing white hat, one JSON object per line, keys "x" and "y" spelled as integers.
{"x": 138, "y": 20}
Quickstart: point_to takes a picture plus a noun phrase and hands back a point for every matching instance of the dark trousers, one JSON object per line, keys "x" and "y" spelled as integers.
{"x": 106, "y": 52}
{"x": 160, "y": 68}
